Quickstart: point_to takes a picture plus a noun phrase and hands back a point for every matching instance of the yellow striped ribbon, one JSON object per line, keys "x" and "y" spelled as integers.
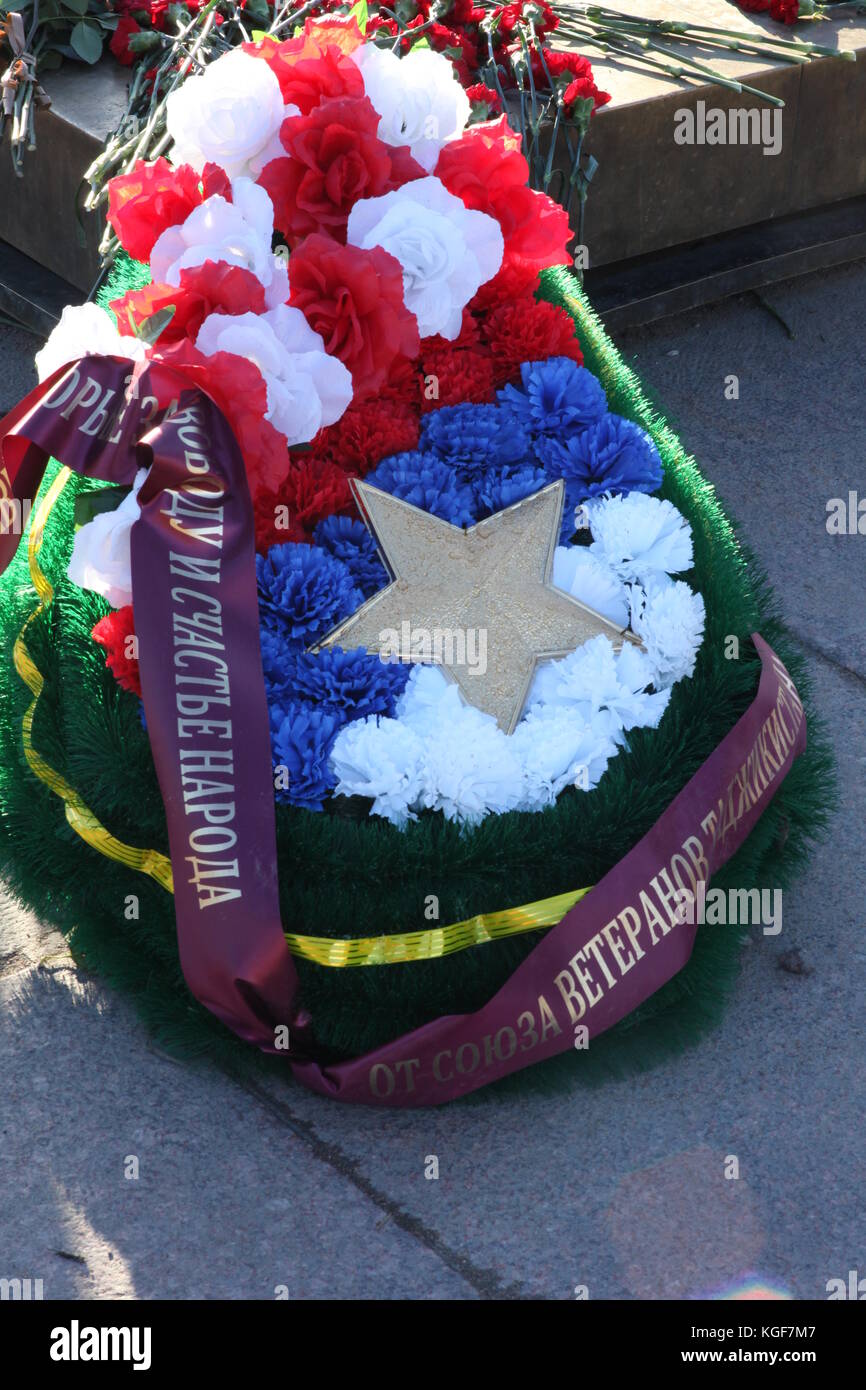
{"x": 430, "y": 944}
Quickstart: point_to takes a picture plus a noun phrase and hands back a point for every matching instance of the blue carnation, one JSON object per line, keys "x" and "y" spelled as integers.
{"x": 350, "y": 541}
{"x": 301, "y": 741}
{"x": 555, "y": 397}
{"x": 426, "y": 482}
{"x": 276, "y": 658}
{"x": 499, "y": 488}
{"x": 355, "y": 682}
{"x": 613, "y": 456}
{"x": 474, "y": 436}
{"x": 303, "y": 591}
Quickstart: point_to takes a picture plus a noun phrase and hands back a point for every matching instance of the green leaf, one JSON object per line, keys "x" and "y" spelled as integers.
{"x": 359, "y": 13}
{"x": 150, "y": 328}
{"x": 77, "y": 6}
{"x": 86, "y": 40}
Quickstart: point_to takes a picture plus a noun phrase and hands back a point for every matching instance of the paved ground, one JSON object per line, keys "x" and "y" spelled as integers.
{"x": 621, "y": 1190}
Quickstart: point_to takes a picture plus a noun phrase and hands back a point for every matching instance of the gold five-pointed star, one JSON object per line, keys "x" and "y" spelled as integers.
{"x": 477, "y": 602}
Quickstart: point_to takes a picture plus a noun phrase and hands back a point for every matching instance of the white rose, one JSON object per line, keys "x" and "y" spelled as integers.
{"x": 227, "y": 116}
{"x": 102, "y": 554}
{"x": 418, "y": 98}
{"x": 447, "y": 251}
{"x": 85, "y": 330}
{"x": 307, "y": 389}
{"x": 237, "y": 232}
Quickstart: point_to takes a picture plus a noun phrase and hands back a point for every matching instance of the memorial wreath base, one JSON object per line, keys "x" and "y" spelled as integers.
{"x": 345, "y": 877}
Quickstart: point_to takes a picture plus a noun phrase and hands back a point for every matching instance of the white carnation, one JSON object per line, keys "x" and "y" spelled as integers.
{"x": 239, "y": 232}
{"x": 418, "y": 98}
{"x": 85, "y": 330}
{"x": 595, "y": 679}
{"x": 470, "y": 766}
{"x": 102, "y": 554}
{"x": 558, "y": 749}
{"x": 228, "y": 116}
{"x": 638, "y": 536}
{"x": 382, "y": 759}
{"x": 307, "y": 389}
{"x": 585, "y": 577}
{"x": 447, "y": 251}
{"x": 669, "y": 619}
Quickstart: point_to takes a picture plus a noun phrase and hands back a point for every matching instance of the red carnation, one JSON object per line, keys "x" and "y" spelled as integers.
{"x": 786, "y": 11}
{"x": 335, "y": 158}
{"x": 583, "y": 88}
{"x": 368, "y": 433}
{"x": 152, "y": 197}
{"x": 354, "y": 299}
{"x": 404, "y": 384}
{"x": 114, "y": 633}
{"x": 458, "y": 375}
{"x": 513, "y": 281}
{"x": 315, "y": 488}
{"x": 527, "y": 330}
{"x": 484, "y": 101}
{"x": 238, "y": 388}
{"x": 212, "y": 288}
{"x": 486, "y": 170}
{"x": 469, "y": 335}
{"x": 272, "y": 524}
{"x": 120, "y": 40}
{"x": 315, "y": 66}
